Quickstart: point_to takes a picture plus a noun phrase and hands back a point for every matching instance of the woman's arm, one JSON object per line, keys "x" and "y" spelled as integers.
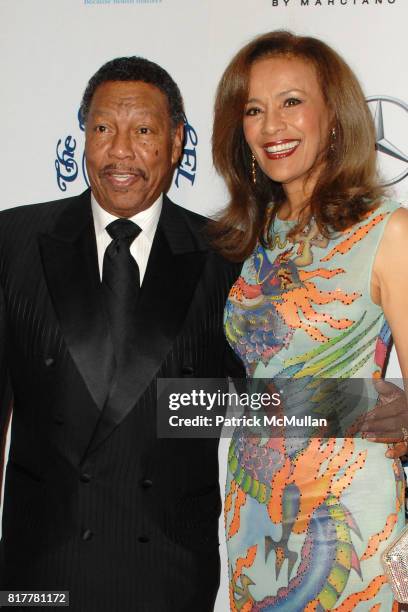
{"x": 389, "y": 285}
{"x": 390, "y": 274}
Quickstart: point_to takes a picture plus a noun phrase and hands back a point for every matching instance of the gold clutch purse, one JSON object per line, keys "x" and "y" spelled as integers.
{"x": 395, "y": 562}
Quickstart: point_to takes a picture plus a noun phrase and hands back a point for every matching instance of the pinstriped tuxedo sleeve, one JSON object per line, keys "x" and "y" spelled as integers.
{"x": 5, "y": 387}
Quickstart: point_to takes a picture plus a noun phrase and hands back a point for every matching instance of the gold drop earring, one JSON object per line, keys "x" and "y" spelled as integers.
{"x": 253, "y": 168}
{"x": 333, "y": 139}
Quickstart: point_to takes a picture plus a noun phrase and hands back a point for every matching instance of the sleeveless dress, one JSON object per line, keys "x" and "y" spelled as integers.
{"x": 307, "y": 520}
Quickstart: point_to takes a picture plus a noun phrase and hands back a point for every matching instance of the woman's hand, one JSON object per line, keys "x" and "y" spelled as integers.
{"x": 387, "y": 423}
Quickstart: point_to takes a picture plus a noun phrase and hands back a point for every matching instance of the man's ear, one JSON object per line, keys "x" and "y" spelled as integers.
{"x": 177, "y": 145}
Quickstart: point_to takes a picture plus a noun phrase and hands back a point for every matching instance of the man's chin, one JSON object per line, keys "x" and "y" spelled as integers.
{"x": 125, "y": 206}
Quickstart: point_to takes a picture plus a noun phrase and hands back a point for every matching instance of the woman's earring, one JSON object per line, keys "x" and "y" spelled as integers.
{"x": 333, "y": 136}
{"x": 253, "y": 169}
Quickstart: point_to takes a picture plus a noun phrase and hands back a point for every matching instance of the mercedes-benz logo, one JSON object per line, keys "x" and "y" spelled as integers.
{"x": 383, "y": 145}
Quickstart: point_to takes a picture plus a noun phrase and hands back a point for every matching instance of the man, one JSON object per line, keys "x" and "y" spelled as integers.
{"x": 93, "y": 311}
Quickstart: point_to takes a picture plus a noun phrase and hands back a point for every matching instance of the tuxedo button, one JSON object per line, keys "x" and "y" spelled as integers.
{"x": 143, "y": 539}
{"x": 49, "y": 362}
{"x": 146, "y": 483}
{"x": 87, "y": 535}
{"x": 58, "y": 420}
{"x": 85, "y": 477}
{"x": 187, "y": 370}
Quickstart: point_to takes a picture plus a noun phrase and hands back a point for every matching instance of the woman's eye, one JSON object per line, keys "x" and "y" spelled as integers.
{"x": 292, "y": 102}
{"x": 250, "y": 112}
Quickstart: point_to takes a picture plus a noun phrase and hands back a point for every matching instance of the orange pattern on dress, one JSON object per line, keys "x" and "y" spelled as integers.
{"x": 240, "y": 500}
{"x": 314, "y": 483}
{"x": 316, "y": 486}
{"x": 300, "y": 298}
{"x": 295, "y": 302}
{"x": 346, "y": 245}
{"x": 228, "y": 499}
{"x": 371, "y": 591}
{"x": 242, "y": 290}
{"x": 312, "y": 606}
{"x": 231, "y": 598}
{"x": 320, "y": 272}
{"x": 376, "y": 539}
{"x": 278, "y": 484}
{"x": 375, "y": 608}
{"x": 242, "y": 562}
{"x": 246, "y": 561}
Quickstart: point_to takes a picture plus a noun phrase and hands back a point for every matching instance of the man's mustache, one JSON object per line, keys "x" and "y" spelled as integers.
{"x": 113, "y": 168}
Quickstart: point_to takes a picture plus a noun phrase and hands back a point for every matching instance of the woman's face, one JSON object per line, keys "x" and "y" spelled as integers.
{"x": 286, "y": 121}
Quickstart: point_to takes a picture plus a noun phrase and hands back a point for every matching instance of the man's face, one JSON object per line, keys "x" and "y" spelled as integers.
{"x": 130, "y": 146}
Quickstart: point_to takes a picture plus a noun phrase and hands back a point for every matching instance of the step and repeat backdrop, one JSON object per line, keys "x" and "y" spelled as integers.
{"x": 50, "y": 48}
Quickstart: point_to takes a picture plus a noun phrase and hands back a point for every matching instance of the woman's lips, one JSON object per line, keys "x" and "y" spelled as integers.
{"x": 280, "y": 149}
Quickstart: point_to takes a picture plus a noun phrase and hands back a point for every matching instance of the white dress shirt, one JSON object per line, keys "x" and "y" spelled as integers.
{"x": 140, "y": 248}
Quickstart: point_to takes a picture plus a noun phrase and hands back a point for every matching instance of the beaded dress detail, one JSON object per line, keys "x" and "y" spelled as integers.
{"x": 307, "y": 520}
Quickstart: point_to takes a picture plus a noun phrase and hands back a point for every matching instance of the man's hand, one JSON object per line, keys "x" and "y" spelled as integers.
{"x": 387, "y": 423}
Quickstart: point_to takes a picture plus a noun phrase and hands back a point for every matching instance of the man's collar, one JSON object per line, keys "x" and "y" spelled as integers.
{"x": 147, "y": 220}
{"x": 183, "y": 233}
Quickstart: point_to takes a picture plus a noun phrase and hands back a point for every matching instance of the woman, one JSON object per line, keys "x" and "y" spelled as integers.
{"x": 325, "y": 268}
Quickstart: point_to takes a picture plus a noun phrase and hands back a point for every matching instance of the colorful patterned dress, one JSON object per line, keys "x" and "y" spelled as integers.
{"x": 307, "y": 520}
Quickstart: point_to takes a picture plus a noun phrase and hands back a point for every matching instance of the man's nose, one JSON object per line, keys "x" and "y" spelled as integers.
{"x": 121, "y": 145}
{"x": 274, "y": 121}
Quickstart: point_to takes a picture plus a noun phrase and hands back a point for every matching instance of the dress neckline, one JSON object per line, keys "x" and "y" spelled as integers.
{"x": 279, "y": 224}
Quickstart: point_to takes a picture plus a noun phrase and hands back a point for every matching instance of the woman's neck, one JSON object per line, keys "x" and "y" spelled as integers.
{"x": 297, "y": 195}
{"x": 292, "y": 208}
{"x": 295, "y": 203}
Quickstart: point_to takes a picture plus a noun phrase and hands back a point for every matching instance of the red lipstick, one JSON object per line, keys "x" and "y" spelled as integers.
{"x": 279, "y": 149}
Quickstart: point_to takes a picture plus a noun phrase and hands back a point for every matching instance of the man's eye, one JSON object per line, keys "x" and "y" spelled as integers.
{"x": 252, "y": 111}
{"x": 144, "y": 130}
{"x": 100, "y": 129}
{"x": 292, "y": 102}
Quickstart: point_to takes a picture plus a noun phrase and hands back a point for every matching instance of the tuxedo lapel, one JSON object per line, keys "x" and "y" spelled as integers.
{"x": 69, "y": 258}
{"x": 174, "y": 268}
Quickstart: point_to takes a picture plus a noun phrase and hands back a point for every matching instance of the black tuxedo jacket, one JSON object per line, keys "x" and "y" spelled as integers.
{"x": 94, "y": 502}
